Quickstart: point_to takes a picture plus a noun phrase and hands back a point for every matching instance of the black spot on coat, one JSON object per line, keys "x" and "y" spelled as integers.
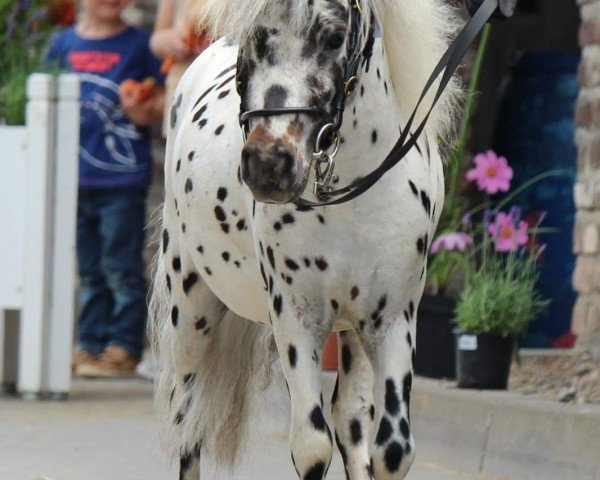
{"x": 355, "y": 431}
{"x": 292, "y": 356}
{"x": 220, "y": 213}
{"x": 346, "y": 359}
{"x": 317, "y": 419}
{"x": 316, "y": 472}
{"x": 165, "y": 242}
{"x": 393, "y": 457}
{"x": 277, "y": 304}
{"x": 392, "y": 402}
{"x": 189, "y": 282}
{"x": 384, "y": 433}
{"x": 271, "y": 257}
{"x": 321, "y": 264}
{"x": 221, "y": 194}
{"x": 177, "y": 264}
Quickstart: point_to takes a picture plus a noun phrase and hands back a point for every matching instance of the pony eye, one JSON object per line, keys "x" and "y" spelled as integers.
{"x": 334, "y": 41}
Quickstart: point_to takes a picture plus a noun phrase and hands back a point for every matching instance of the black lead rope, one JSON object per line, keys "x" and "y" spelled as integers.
{"x": 448, "y": 65}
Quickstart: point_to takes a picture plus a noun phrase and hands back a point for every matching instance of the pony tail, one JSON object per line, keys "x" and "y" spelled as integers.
{"x": 232, "y": 375}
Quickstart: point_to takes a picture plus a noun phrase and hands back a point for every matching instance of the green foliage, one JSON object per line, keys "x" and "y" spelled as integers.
{"x": 500, "y": 297}
{"x": 26, "y": 30}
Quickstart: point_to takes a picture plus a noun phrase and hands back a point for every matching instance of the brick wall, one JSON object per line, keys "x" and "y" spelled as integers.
{"x": 586, "y": 239}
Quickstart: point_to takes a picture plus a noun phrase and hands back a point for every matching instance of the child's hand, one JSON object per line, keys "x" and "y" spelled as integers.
{"x": 171, "y": 42}
{"x": 143, "y": 102}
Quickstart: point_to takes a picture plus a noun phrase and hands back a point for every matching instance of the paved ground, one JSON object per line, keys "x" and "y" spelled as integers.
{"x": 106, "y": 432}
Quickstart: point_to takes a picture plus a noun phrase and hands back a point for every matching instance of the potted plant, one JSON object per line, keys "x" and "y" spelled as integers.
{"x": 500, "y": 260}
{"x": 497, "y": 304}
{"x": 495, "y": 253}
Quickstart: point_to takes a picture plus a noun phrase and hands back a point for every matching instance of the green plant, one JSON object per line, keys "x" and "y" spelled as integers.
{"x": 443, "y": 267}
{"x": 27, "y": 26}
{"x": 500, "y": 296}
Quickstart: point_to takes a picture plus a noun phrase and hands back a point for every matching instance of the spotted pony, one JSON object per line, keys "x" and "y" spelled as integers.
{"x": 246, "y": 273}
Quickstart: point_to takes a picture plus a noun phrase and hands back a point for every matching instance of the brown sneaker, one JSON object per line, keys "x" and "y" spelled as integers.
{"x": 114, "y": 362}
{"x": 80, "y": 357}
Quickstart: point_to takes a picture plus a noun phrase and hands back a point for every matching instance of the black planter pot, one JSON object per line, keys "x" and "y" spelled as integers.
{"x": 483, "y": 360}
{"x": 436, "y": 348}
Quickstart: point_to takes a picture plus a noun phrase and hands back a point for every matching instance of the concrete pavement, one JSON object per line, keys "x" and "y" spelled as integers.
{"x": 106, "y": 432}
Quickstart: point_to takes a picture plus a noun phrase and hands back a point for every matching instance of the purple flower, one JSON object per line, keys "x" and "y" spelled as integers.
{"x": 467, "y": 221}
{"x": 508, "y": 235}
{"x": 451, "y": 241}
{"x": 491, "y": 172}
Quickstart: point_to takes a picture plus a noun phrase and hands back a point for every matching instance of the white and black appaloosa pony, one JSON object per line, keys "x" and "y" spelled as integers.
{"x": 242, "y": 262}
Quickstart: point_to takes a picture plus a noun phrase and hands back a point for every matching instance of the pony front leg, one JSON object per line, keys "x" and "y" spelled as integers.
{"x": 310, "y": 438}
{"x": 391, "y": 356}
{"x": 352, "y": 406}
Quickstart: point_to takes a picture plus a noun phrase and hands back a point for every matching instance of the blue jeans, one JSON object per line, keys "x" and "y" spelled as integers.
{"x": 110, "y": 241}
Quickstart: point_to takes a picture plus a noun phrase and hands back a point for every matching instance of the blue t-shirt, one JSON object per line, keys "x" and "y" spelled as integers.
{"x": 113, "y": 151}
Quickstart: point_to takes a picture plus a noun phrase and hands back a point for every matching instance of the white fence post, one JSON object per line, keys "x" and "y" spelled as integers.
{"x": 13, "y": 145}
{"x": 40, "y": 117}
{"x": 62, "y": 283}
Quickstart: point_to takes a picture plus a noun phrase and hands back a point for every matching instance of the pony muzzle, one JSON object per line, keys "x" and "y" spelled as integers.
{"x": 269, "y": 168}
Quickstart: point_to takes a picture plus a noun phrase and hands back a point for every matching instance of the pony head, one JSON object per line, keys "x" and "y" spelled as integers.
{"x": 290, "y": 60}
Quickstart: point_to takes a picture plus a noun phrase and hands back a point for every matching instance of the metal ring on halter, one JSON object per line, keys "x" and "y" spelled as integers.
{"x": 323, "y": 176}
{"x": 335, "y": 144}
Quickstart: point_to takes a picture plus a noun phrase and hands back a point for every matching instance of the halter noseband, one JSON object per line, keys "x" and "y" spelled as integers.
{"x": 328, "y": 140}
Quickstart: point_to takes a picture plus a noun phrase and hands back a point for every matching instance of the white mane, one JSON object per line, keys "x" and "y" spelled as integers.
{"x": 416, "y": 33}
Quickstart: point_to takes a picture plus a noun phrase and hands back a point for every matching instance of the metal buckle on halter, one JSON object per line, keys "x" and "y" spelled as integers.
{"x": 324, "y": 160}
{"x": 350, "y": 85}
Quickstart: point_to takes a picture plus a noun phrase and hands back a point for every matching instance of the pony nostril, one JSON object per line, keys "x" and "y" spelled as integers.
{"x": 285, "y": 161}
{"x": 247, "y": 155}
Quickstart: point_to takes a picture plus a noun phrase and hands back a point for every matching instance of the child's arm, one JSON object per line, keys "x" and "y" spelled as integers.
{"x": 168, "y": 40}
{"x": 146, "y": 112}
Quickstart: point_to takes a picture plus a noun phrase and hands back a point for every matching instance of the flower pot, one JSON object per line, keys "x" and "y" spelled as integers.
{"x": 436, "y": 356}
{"x": 483, "y": 360}
{"x": 329, "y": 361}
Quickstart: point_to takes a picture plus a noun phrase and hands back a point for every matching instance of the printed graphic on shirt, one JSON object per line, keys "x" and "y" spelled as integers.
{"x": 98, "y": 62}
{"x": 102, "y": 107}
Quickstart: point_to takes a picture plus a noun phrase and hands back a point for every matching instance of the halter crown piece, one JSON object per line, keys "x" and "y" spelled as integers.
{"x": 327, "y": 144}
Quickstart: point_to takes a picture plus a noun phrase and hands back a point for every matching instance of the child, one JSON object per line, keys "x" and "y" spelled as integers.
{"x": 114, "y": 174}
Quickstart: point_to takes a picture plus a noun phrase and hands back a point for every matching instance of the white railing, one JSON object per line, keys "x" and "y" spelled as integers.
{"x": 38, "y": 202}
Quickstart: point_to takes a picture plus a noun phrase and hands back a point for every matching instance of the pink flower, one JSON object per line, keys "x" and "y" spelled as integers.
{"x": 491, "y": 172}
{"x": 451, "y": 241}
{"x": 507, "y": 235}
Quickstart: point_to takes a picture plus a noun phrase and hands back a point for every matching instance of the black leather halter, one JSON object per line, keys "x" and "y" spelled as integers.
{"x": 446, "y": 67}
{"x": 355, "y": 55}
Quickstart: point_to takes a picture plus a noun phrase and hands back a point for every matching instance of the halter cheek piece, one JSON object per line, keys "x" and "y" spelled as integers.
{"x": 328, "y": 139}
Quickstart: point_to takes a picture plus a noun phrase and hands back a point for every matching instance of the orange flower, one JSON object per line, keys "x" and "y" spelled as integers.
{"x": 140, "y": 91}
